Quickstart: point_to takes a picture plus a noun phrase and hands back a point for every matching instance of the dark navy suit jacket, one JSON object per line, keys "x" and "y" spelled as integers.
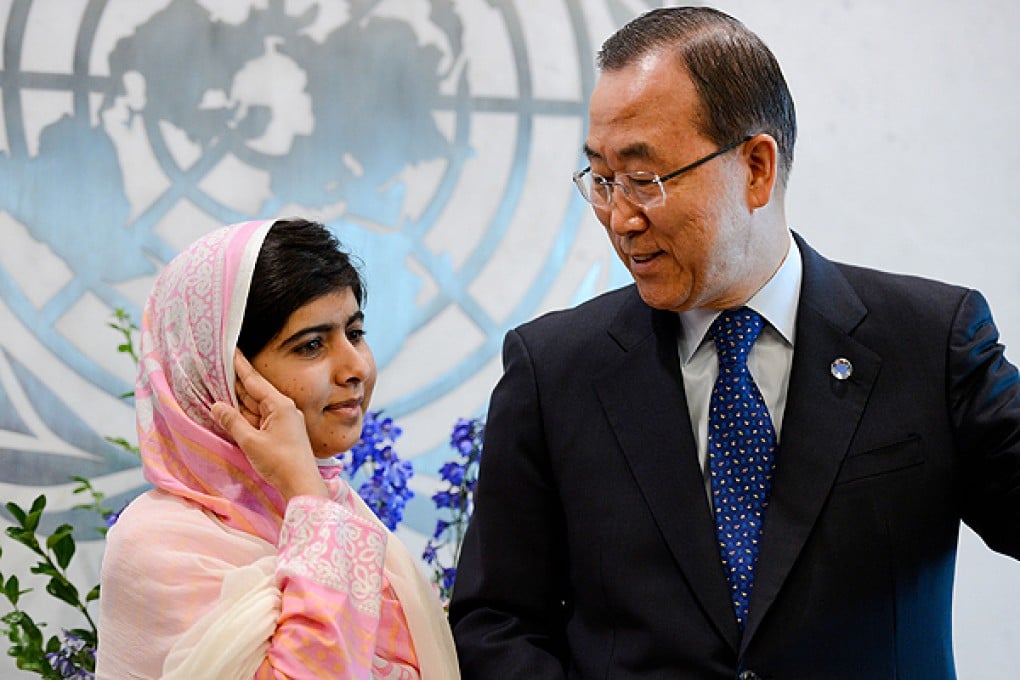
{"x": 592, "y": 554}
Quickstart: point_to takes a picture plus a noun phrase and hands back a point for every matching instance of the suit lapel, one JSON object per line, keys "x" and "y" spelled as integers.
{"x": 821, "y": 416}
{"x": 643, "y": 397}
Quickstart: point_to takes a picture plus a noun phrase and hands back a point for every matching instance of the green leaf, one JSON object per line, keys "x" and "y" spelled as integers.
{"x": 93, "y": 594}
{"x": 120, "y": 441}
{"x": 61, "y": 542}
{"x": 39, "y": 504}
{"x": 12, "y": 590}
{"x": 16, "y": 510}
{"x": 58, "y": 534}
{"x": 45, "y": 569}
{"x": 32, "y": 520}
{"x": 25, "y": 538}
{"x": 28, "y": 663}
{"x": 64, "y": 590}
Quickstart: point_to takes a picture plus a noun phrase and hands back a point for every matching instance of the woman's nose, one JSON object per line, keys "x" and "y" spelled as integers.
{"x": 353, "y": 364}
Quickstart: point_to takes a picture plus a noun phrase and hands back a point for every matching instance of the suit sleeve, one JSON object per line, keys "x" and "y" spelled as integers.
{"x": 509, "y": 600}
{"x": 985, "y": 406}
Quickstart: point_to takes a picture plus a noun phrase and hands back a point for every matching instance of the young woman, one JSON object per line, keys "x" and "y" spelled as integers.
{"x": 251, "y": 557}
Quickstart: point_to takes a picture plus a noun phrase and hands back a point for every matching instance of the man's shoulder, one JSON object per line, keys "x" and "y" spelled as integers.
{"x": 877, "y": 285}
{"x": 595, "y": 314}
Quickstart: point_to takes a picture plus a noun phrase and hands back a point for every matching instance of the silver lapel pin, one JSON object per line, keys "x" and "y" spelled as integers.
{"x": 841, "y": 369}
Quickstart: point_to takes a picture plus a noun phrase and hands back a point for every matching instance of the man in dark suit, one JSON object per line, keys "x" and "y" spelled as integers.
{"x": 753, "y": 463}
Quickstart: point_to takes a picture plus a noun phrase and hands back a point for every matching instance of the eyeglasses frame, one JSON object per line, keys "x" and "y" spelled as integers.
{"x": 579, "y": 175}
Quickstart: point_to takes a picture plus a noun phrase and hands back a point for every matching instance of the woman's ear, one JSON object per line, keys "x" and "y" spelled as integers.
{"x": 762, "y": 154}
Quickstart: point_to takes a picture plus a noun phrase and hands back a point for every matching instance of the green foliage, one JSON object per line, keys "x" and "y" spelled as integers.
{"x": 73, "y": 653}
{"x": 123, "y": 324}
{"x": 55, "y": 657}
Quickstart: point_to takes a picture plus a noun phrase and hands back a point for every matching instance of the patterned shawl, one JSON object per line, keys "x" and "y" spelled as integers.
{"x": 190, "y": 328}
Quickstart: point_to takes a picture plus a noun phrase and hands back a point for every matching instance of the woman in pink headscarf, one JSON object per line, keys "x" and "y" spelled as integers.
{"x": 251, "y": 557}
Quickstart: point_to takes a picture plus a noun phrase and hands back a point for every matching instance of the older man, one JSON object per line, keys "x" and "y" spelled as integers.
{"x": 754, "y": 461}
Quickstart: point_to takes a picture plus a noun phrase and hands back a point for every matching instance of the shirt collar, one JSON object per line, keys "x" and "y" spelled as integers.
{"x": 776, "y": 301}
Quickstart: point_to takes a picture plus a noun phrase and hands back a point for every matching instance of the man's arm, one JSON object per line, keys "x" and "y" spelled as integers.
{"x": 508, "y": 609}
{"x": 985, "y": 406}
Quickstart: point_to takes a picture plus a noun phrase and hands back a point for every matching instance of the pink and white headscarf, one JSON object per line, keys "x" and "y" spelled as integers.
{"x": 190, "y": 327}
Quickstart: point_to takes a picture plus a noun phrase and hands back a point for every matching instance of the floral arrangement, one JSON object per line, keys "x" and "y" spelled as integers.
{"x": 385, "y": 491}
{"x": 455, "y": 502}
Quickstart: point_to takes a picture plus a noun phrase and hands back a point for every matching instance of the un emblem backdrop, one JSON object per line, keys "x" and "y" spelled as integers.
{"x": 435, "y": 138}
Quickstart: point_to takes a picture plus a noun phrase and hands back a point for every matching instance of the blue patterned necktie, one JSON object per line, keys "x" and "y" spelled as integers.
{"x": 741, "y": 452}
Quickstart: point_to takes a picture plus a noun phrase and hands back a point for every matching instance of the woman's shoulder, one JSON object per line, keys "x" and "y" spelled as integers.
{"x": 177, "y": 525}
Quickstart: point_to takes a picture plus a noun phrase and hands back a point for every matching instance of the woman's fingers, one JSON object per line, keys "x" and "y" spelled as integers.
{"x": 271, "y": 432}
{"x": 256, "y": 387}
{"x": 231, "y": 420}
{"x": 256, "y": 396}
{"x": 248, "y": 407}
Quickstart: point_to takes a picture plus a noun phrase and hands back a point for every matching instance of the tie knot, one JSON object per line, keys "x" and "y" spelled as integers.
{"x": 734, "y": 332}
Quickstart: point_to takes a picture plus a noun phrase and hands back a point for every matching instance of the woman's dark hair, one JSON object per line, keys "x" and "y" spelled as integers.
{"x": 300, "y": 261}
{"x": 737, "y": 77}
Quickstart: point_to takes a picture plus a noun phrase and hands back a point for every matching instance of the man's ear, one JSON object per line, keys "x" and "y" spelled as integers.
{"x": 762, "y": 155}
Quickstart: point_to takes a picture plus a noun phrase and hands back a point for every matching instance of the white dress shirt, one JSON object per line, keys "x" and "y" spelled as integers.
{"x": 770, "y": 358}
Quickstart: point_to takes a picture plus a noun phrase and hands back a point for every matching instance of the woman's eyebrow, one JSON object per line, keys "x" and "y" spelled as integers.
{"x": 310, "y": 330}
{"x": 294, "y": 338}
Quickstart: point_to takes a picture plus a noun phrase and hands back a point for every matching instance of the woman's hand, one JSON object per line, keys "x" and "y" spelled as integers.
{"x": 271, "y": 431}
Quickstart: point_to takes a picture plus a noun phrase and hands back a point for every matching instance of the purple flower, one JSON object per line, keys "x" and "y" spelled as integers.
{"x": 112, "y": 517}
{"x": 447, "y": 499}
{"x": 429, "y": 554}
{"x": 455, "y": 501}
{"x": 452, "y": 472}
{"x": 449, "y": 574}
{"x": 385, "y": 491}
{"x": 74, "y": 659}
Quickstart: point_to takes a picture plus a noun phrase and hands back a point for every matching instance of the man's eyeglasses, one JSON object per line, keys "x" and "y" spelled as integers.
{"x": 643, "y": 189}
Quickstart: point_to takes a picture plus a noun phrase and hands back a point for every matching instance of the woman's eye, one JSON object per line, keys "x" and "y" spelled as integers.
{"x": 310, "y": 347}
{"x": 355, "y": 335}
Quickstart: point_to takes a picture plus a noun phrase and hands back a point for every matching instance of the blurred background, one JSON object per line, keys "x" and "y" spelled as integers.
{"x": 437, "y": 138}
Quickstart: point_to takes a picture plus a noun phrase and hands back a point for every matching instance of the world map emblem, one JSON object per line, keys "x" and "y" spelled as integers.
{"x": 435, "y": 138}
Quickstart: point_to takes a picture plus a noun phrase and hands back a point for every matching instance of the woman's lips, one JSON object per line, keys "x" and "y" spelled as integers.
{"x": 348, "y": 408}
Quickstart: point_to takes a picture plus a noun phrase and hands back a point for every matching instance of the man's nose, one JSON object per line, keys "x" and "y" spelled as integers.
{"x": 625, "y": 217}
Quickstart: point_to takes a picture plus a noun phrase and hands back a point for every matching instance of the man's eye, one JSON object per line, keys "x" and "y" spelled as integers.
{"x": 356, "y": 335}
